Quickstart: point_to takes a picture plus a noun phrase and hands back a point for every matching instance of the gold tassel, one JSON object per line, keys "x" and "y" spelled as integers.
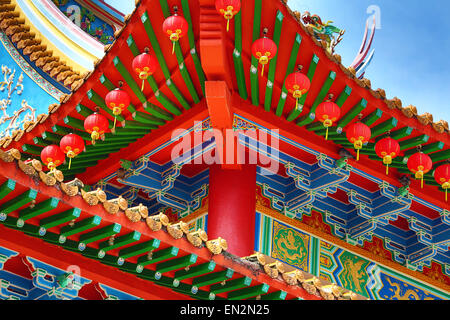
{"x": 173, "y": 47}
{"x": 262, "y": 71}
{"x": 421, "y": 182}
{"x": 326, "y": 135}
{"x": 357, "y": 154}
{"x": 70, "y": 162}
{"x": 387, "y": 169}
{"x": 115, "y": 119}
{"x": 143, "y": 84}
{"x": 445, "y": 195}
{"x": 228, "y": 25}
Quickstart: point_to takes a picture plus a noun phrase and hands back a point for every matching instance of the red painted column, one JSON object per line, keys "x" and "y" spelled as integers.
{"x": 232, "y": 205}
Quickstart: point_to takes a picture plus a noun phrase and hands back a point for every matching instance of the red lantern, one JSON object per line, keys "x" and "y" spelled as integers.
{"x": 175, "y": 27}
{"x": 96, "y": 125}
{"x": 328, "y": 112}
{"x": 72, "y": 145}
{"x": 387, "y": 149}
{"x": 117, "y": 100}
{"x": 52, "y": 156}
{"x": 228, "y": 9}
{"x": 442, "y": 176}
{"x": 297, "y": 84}
{"x": 264, "y": 50}
{"x": 144, "y": 65}
{"x": 420, "y": 164}
{"x": 358, "y": 133}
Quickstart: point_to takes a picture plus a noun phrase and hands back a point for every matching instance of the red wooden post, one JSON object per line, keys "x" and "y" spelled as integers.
{"x": 231, "y": 213}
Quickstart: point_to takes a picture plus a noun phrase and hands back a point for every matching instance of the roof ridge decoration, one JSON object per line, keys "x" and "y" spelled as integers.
{"x": 75, "y": 80}
{"x": 410, "y": 111}
{"x": 18, "y": 31}
{"x": 257, "y": 263}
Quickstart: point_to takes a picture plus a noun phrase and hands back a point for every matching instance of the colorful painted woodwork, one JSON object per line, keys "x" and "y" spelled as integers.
{"x": 138, "y": 197}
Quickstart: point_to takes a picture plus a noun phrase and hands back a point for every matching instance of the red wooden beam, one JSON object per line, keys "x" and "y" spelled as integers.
{"x": 144, "y": 145}
{"x": 218, "y": 99}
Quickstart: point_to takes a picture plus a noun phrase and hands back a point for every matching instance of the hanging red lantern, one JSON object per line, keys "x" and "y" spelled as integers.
{"x": 175, "y": 27}
{"x": 387, "y": 149}
{"x": 297, "y": 84}
{"x": 358, "y": 133}
{"x": 144, "y": 65}
{"x": 442, "y": 176}
{"x": 328, "y": 112}
{"x": 72, "y": 145}
{"x": 228, "y": 9}
{"x": 52, "y": 156}
{"x": 117, "y": 100}
{"x": 96, "y": 125}
{"x": 264, "y": 50}
{"x": 420, "y": 164}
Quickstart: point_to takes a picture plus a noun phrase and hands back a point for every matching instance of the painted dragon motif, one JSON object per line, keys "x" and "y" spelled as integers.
{"x": 400, "y": 294}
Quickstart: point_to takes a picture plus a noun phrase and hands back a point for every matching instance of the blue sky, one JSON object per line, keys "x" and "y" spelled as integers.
{"x": 412, "y": 46}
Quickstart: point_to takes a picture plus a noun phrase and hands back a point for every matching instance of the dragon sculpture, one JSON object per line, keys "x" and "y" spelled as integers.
{"x": 324, "y": 32}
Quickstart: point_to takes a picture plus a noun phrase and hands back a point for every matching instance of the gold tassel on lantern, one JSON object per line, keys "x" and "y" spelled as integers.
{"x": 116, "y": 111}
{"x": 387, "y": 160}
{"x": 327, "y": 124}
{"x": 358, "y": 145}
